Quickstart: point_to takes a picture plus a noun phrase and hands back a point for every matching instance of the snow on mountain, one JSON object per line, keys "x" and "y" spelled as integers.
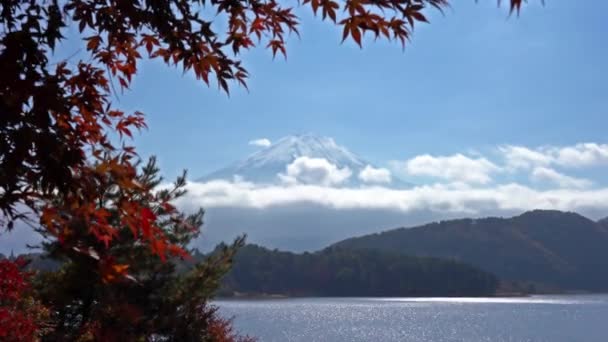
{"x": 305, "y": 158}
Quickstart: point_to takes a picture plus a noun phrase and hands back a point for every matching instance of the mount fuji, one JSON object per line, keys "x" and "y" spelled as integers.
{"x": 304, "y": 158}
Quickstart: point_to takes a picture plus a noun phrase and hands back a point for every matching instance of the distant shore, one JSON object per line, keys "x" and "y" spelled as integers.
{"x": 265, "y": 296}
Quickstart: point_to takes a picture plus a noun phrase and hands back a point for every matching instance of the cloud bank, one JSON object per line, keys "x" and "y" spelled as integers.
{"x": 313, "y": 209}
{"x": 437, "y": 197}
{"x": 462, "y": 184}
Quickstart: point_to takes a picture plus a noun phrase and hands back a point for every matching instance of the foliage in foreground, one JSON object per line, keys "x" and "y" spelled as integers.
{"x": 22, "y": 318}
{"x": 140, "y": 298}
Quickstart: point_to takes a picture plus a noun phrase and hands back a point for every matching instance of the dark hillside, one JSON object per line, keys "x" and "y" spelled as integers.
{"x": 555, "y": 248}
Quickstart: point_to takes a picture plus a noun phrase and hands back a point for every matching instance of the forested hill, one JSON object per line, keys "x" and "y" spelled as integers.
{"x": 258, "y": 271}
{"x": 554, "y": 248}
{"x": 339, "y": 272}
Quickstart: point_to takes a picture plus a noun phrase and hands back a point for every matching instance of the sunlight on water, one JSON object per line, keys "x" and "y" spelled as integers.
{"x": 530, "y": 319}
{"x": 491, "y": 300}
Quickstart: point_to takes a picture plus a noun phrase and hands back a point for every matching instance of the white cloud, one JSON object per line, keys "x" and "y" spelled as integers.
{"x": 581, "y": 155}
{"x": 263, "y": 142}
{"x": 437, "y": 197}
{"x": 375, "y": 175}
{"x": 315, "y": 171}
{"x": 547, "y": 174}
{"x": 458, "y": 167}
{"x": 574, "y": 156}
{"x": 519, "y": 157}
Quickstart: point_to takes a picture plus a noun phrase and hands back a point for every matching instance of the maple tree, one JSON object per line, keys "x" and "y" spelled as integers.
{"x": 58, "y": 165}
{"x": 123, "y": 292}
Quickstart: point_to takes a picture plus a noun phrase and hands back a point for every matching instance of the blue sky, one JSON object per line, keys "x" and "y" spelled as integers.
{"x": 472, "y": 79}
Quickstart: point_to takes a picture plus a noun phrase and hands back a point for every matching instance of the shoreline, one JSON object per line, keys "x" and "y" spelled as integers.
{"x": 254, "y": 297}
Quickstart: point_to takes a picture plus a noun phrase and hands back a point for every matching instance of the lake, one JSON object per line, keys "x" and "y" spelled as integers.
{"x": 539, "y": 318}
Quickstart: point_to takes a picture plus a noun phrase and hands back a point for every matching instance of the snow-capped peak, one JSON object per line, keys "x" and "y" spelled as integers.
{"x": 289, "y": 148}
{"x": 270, "y": 164}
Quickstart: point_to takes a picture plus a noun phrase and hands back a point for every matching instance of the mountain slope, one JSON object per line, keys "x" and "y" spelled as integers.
{"x": 264, "y": 165}
{"x": 554, "y": 248}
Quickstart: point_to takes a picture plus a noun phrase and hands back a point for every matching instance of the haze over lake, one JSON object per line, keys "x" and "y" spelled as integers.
{"x": 534, "y": 319}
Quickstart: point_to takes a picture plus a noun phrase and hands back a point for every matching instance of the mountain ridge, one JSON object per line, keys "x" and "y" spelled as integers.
{"x": 540, "y": 246}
